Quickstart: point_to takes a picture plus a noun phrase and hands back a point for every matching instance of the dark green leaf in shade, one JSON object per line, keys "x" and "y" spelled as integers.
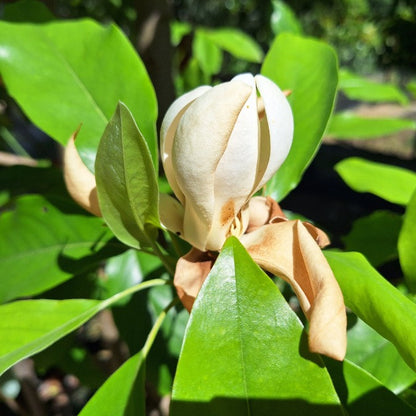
{"x": 348, "y": 125}
{"x": 308, "y": 68}
{"x": 123, "y": 393}
{"x": 126, "y": 182}
{"x": 283, "y": 19}
{"x": 375, "y": 236}
{"x": 370, "y": 351}
{"x": 356, "y": 87}
{"x": 73, "y": 73}
{"x": 235, "y": 42}
{"x": 379, "y": 304}
{"x": 407, "y": 244}
{"x": 391, "y": 183}
{"x": 45, "y": 241}
{"x": 245, "y": 351}
{"x": 362, "y": 394}
{"x": 32, "y": 11}
{"x": 29, "y": 326}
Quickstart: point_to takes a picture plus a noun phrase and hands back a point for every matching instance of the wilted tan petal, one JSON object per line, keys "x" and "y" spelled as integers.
{"x": 262, "y": 210}
{"x": 191, "y": 271}
{"x": 288, "y": 250}
{"x": 79, "y": 181}
{"x": 318, "y": 235}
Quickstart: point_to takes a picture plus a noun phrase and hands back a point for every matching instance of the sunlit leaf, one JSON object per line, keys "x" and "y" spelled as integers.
{"x": 376, "y": 302}
{"x": 389, "y": 182}
{"x": 407, "y": 244}
{"x": 356, "y": 87}
{"x": 348, "y": 125}
{"x": 126, "y": 181}
{"x": 245, "y": 351}
{"x": 283, "y": 19}
{"x": 60, "y": 84}
{"x": 46, "y": 241}
{"x": 207, "y": 53}
{"x": 308, "y": 68}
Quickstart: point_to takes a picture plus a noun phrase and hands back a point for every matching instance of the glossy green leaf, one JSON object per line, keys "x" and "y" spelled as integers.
{"x": 207, "y": 53}
{"x": 348, "y": 125}
{"x": 123, "y": 392}
{"x": 126, "y": 182}
{"x": 283, "y": 19}
{"x": 74, "y": 85}
{"x": 356, "y": 87}
{"x": 376, "y": 302}
{"x": 235, "y": 42}
{"x": 30, "y": 326}
{"x": 407, "y": 244}
{"x": 375, "y": 236}
{"x": 44, "y": 242}
{"x": 27, "y": 11}
{"x": 370, "y": 351}
{"x": 308, "y": 68}
{"x": 245, "y": 351}
{"x": 362, "y": 394}
{"x": 391, "y": 183}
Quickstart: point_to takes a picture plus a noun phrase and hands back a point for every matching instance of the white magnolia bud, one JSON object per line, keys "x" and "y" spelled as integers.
{"x": 219, "y": 145}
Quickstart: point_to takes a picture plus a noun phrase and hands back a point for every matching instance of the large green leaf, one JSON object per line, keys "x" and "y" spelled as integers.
{"x": 369, "y": 350}
{"x": 348, "y": 125}
{"x": 245, "y": 351}
{"x": 73, "y": 73}
{"x": 376, "y": 301}
{"x": 309, "y": 69}
{"x": 359, "y": 88}
{"x": 126, "y": 182}
{"x": 29, "y": 326}
{"x": 46, "y": 241}
{"x": 207, "y": 53}
{"x": 362, "y": 394}
{"x": 388, "y": 182}
{"x": 375, "y": 236}
{"x": 407, "y": 244}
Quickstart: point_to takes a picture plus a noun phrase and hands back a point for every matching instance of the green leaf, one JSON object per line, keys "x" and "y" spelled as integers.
{"x": 347, "y": 125}
{"x": 237, "y": 43}
{"x": 126, "y": 182}
{"x": 283, "y": 19}
{"x": 359, "y": 88}
{"x": 308, "y": 68}
{"x": 46, "y": 241}
{"x": 379, "y": 357}
{"x": 29, "y": 326}
{"x": 391, "y": 183}
{"x": 375, "y": 236}
{"x": 73, "y": 73}
{"x": 207, "y": 53}
{"x": 178, "y": 30}
{"x": 245, "y": 351}
{"x": 362, "y": 394}
{"x": 123, "y": 392}
{"x": 407, "y": 244}
{"x": 376, "y": 302}
{"x": 27, "y": 11}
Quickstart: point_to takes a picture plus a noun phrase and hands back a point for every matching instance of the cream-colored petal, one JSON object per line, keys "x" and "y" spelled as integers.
{"x": 167, "y": 133}
{"x": 262, "y": 210}
{"x": 287, "y": 250}
{"x": 201, "y": 140}
{"x": 191, "y": 272}
{"x": 280, "y": 123}
{"x": 79, "y": 180}
{"x": 171, "y": 214}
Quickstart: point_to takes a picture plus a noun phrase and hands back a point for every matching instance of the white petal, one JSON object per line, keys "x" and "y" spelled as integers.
{"x": 201, "y": 140}
{"x": 280, "y": 124}
{"x": 171, "y": 213}
{"x": 167, "y": 133}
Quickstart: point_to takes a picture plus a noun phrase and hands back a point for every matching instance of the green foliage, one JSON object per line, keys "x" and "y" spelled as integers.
{"x": 309, "y": 70}
{"x": 239, "y": 316}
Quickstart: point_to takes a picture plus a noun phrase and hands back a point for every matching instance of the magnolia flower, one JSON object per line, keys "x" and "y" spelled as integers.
{"x": 220, "y": 145}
